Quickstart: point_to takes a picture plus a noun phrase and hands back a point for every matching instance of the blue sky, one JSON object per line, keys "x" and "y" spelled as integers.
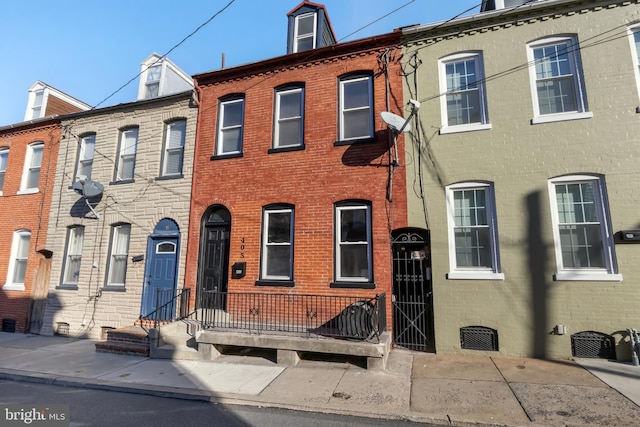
{"x": 89, "y": 48}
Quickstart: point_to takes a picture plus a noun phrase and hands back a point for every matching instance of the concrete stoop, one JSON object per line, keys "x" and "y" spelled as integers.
{"x": 132, "y": 341}
{"x": 175, "y": 341}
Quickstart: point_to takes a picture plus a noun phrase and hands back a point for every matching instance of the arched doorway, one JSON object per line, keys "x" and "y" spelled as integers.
{"x": 213, "y": 260}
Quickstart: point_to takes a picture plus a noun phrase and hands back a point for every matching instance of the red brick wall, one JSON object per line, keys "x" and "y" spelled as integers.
{"x": 312, "y": 180}
{"x": 27, "y": 211}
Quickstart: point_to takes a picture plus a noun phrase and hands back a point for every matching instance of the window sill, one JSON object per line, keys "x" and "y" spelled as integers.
{"x": 549, "y": 118}
{"x": 167, "y": 177}
{"x": 280, "y": 283}
{"x": 474, "y": 275}
{"x": 13, "y": 287}
{"x": 465, "y": 128}
{"x": 114, "y": 288}
{"x": 226, "y": 156}
{"x": 67, "y": 287}
{"x": 28, "y": 191}
{"x": 122, "y": 181}
{"x": 285, "y": 149}
{"x": 353, "y": 285}
{"x": 355, "y": 141}
{"x": 587, "y": 277}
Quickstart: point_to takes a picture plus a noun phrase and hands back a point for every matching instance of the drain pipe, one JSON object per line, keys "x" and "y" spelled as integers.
{"x": 633, "y": 339}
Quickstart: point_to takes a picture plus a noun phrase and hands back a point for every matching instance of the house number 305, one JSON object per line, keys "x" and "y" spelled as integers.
{"x": 242, "y": 248}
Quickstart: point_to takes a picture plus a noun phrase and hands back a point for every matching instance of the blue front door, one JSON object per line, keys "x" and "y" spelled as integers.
{"x": 160, "y": 277}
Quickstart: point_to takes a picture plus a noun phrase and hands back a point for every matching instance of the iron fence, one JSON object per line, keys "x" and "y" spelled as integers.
{"x": 351, "y": 317}
{"x": 171, "y": 304}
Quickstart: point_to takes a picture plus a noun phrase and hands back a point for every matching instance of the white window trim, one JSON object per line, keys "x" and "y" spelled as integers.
{"x": 278, "y": 120}
{"x": 167, "y": 149}
{"x": 219, "y": 142}
{"x": 338, "y": 245}
{"x": 27, "y": 167}
{"x": 352, "y": 79}
{"x": 9, "y": 284}
{"x": 81, "y": 155}
{"x": 474, "y": 273}
{"x": 4, "y": 150}
{"x": 265, "y": 244}
{"x": 159, "y": 81}
{"x": 113, "y": 243}
{"x": 296, "y": 35}
{"x": 582, "y": 111}
{"x": 607, "y": 274}
{"x": 121, "y": 153}
{"x": 71, "y": 233}
{"x": 482, "y": 90}
{"x": 632, "y": 30}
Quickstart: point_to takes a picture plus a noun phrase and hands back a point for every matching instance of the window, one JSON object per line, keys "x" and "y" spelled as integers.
{"x": 288, "y": 129}
{"x": 305, "y": 32}
{"x": 464, "y": 105}
{"x": 127, "y": 156}
{"x": 4, "y": 155}
{"x": 557, "y": 85}
{"x": 277, "y": 243}
{"x": 634, "y": 38}
{"x": 356, "y": 108}
{"x": 581, "y": 229}
{"x": 33, "y": 163}
{"x": 230, "y": 127}
{"x": 75, "y": 236}
{"x": 174, "y": 148}
{"x": 18, "y": 261}
{"x": 152, "y": 85}
{"x": 473, "y": 234}
{"x": 85, "y": 157}
{"x": 118, "y": 255}
{"x": 36, "y": 106}
{"x": 353, "y": 253}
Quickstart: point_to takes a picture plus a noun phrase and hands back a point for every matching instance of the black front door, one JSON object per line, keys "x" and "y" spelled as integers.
{"x": 214, "y": 258}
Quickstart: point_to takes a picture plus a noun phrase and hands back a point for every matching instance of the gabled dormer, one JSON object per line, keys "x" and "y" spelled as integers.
{"x": 159, "y": 77}
{"x": 45, "y": 100}
{"x": 489, "y": 5}
{"x": 309, "y": 28}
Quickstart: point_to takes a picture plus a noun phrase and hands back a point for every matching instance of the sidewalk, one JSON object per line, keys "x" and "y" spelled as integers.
{"x": 447, "y": 390}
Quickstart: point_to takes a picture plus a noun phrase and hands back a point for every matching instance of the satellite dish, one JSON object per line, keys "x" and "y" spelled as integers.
{"x": 89, "y": 190}
{"x": 395, "y": 122}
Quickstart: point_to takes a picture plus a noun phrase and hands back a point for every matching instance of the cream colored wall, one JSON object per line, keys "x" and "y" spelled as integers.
{"x": 519, "y": 158}
{"x": 142, "y": 204}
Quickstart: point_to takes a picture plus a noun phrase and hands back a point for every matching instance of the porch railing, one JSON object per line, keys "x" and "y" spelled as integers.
{"x": 349, "y": 317}
{"x": 171, "y": 305}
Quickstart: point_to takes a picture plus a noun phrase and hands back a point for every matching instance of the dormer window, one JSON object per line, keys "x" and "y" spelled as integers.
{"x": 36, "y": 107}
{"x": 305, "y": 32}
{"x": 152, "y": 84}
{"x": 161, "y": 77}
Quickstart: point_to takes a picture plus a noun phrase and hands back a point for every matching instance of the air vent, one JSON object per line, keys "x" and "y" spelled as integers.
{"x": 595, "y": 345}
{"x": 478, "y": 338}
{"x": 8, "y": 325}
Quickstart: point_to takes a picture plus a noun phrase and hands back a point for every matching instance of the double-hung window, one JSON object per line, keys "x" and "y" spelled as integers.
{"x": 230, "y": 127}
{"x": 353, "y": 251}
{"x": 152, "y": 84}
{"x": 473, "y": 232}
{"x": 557, "y": 84}
{"x": 463, "y": 104}
{"x": 85, "y": 157}
{"x": 174, "y": 148}
{"x": 127, "y": 154}
{"x": 289, "y": 118}
{"x": 75, "y": 236}
{"x": 305, "y": 32}
{"x": 119, "y": 251}
{"x": 277, "y": 244}
{"x": 18, "y": 261}
{"x": 582, "y": 229}
{"x": 4, "y": 156}
{"x": 36, "y": 105}
{"x": 356, "y": 108}
{"x": 634, "y": 38}
{"x": 32, "y": 165}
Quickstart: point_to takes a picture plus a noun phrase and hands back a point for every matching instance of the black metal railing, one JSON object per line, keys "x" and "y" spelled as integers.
{"x": 171, "y": 305}
{"x": 349, "y": 317}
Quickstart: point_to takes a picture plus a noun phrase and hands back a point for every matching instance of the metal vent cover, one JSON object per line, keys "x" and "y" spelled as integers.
{"x": 478, "y": 338}
{"x": 591, "y": 344}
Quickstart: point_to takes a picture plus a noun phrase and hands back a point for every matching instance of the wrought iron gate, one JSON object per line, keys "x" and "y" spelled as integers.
{"x": 412, "y": 300}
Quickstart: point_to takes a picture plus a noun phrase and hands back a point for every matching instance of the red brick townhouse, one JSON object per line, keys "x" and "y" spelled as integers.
{"x": 296, "y": 185}
{"x": 28, "y": 152}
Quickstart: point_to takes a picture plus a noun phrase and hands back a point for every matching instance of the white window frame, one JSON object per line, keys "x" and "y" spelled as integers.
{"x": 127, "y": 150}
{"x": 266, "y": 244}
{"x": 150, "y": 82}
{"x": 16, "y": 257}
{"x": 339, "y": 243}
{"x": 480, "y": 88}
{"x": 31, "y": 166}
{"x": 344, "y": 81}
{"x": 84, "y": 161}
{"x": 573, "y": 56}
{"x": 492, "y": 272}
{"x": 634, "y": 31}
{"x": 609, "y": 272}
{"x": 222, "y": 129}
{"x": 298, "y": 37}
{"x": 35, "y": 108}
{"x": 278, "y": 120}
{"x": 119, "y": 231}
{"x": 73, "y": 255}
{"x": 181, "y": 126}
{"x": 4, "y": 159}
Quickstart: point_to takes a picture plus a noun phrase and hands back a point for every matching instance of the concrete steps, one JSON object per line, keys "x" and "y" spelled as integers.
{"x": 132, "y": 341}
{"x": 175, "y": 341}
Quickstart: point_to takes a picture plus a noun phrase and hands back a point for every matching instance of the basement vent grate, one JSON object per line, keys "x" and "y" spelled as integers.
{"x": 590, "y": 344}
{"x": 478, "y": 338}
